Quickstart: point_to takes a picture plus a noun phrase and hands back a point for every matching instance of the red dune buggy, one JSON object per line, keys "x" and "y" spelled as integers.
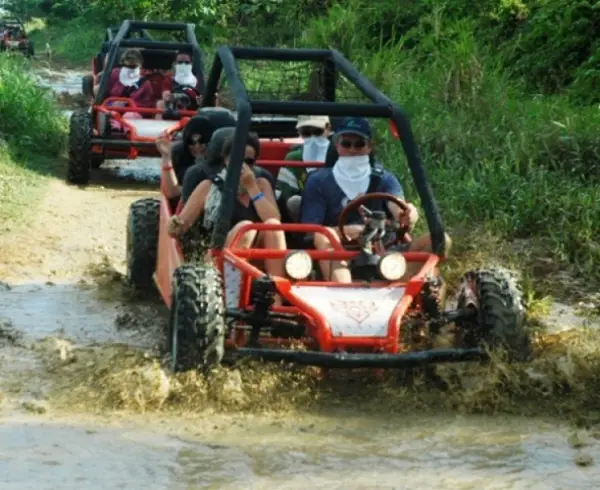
{"x": 93, "y": 137}
{"x": 223, "y": 308}
{"x": 14, "y": 38}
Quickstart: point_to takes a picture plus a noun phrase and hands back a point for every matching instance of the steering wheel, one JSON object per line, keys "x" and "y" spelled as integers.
{"x": 401, "y": 232}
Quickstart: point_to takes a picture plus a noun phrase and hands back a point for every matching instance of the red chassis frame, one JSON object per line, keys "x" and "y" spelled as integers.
{"x": 130, "y": 152}
{"x": 319, "y": 337}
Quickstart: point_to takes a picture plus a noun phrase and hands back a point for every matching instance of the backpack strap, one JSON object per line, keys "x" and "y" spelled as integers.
{"x": 376, "y": 176}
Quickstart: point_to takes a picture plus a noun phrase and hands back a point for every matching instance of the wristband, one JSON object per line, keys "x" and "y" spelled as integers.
{"x": 257, "y": 197}
{"x": 167, "y": 168}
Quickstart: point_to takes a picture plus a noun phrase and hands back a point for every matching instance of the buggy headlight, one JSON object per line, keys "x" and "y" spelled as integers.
{"x": 298, "y": 265}
{"x": 392, "y": 266}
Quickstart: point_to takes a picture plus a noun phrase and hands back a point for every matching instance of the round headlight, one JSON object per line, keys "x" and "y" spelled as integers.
{"x": 392, "y": 266}
{"x": 298, "y": 265}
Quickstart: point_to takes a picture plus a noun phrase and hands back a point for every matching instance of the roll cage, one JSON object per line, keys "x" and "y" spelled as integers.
{"x": 152, "y": 48}
{"x": 226, "y": 63}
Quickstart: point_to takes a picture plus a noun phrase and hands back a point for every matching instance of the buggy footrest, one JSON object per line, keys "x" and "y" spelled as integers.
{"x": 345, "y": 360}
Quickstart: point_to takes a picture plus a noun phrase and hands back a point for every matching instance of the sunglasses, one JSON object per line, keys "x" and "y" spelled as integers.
{"x": 130, "y": 66}
{"x": 196, "y": 140}
{"x": 183, "y": 62}
{"x": 357, "y": 144}
{"x": 249, "y": 161}
{"x": 308, "y": 132}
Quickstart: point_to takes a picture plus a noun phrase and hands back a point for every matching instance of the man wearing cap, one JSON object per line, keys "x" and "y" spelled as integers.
{"x": 329, "y": 190}
{"x": 316, "y": 133}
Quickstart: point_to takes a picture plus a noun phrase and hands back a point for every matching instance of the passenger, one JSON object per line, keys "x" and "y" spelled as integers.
{"x": 184, "y": 82}
{"x": 329, "y": 190}
{"x": 178, "y": 157}
{"x": 315, "y": 132}
{"x": 255, "y": 203}
{"x": 128, "y": 81}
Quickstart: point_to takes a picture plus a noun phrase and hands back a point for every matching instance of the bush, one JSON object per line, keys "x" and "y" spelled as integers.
{"x": 497, "y": 158}
{"x": 29, "y": 117}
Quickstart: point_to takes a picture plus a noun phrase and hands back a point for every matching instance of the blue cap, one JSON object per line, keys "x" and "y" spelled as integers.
{"x": 354, "y": 125}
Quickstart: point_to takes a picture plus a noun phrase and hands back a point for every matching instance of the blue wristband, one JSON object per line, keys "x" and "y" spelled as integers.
{"x": 257, "y": 197}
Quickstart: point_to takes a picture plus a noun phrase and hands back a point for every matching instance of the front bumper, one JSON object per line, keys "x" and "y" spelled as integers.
{"x": 353, "y": 361}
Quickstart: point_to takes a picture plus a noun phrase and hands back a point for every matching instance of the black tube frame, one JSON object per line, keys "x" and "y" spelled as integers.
{"x": 382, "y": 107}
{"x": 122, "y": 39}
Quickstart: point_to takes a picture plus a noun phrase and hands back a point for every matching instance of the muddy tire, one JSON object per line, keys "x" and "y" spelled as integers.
{"x": 80, "y": 148}
{"x": 87, "y": 86}
{"x": 500, "y": 322}
{"x": 197, "y": 325}
{"x": 142, "y": 243}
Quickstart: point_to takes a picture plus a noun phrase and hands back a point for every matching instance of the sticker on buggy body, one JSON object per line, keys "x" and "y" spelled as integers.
{"x": 353, "y": 312}
{"x": 232, "y": 279}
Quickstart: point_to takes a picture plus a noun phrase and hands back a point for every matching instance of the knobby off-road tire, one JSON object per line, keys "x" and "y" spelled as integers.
{"x": 142, "y": 243}
{"x": 80, "y": 148}
{"x": 501, "y": 314}
{"x": 197, "y": 326}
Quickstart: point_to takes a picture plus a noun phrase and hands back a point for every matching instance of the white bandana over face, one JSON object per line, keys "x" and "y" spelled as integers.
{"x": 129, "y": 76}
{"x": 353, "y": 175}
{"x": 184, "y": 75}
{"x": 315, "y": 150}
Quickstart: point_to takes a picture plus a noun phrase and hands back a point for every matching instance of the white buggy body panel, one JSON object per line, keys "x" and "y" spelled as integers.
{"x": 350, "y": 312}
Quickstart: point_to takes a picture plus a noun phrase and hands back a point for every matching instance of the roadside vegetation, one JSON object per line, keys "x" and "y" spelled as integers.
{"x": 502, "y": 95}
{"x": 32, "y": 135}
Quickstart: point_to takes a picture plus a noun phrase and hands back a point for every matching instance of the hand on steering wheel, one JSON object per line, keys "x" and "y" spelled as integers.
{"x": 401, "y": 234}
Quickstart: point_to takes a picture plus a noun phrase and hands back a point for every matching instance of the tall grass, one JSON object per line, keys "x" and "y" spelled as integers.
{"x": 498, "y": 158}
{"x": 29, "y": 117}
{"x": 32, "y": 133}
{"x": 72, "y": 43}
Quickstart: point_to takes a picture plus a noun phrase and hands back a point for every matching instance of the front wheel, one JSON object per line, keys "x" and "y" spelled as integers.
{"x": 80, "y": 148}
{"x": 197, "y": 324}
{"x": 500, "y": 320}
{"x": 142, "y": 243}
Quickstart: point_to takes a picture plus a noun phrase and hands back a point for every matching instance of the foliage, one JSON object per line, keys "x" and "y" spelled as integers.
{"x": 28, "y": 114}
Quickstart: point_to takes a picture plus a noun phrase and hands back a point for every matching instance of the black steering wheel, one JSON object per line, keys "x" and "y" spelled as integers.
{"x": 377, "y": 220}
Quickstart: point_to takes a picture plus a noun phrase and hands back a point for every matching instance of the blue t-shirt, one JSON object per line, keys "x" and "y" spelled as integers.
{"x": 323, "y": 200}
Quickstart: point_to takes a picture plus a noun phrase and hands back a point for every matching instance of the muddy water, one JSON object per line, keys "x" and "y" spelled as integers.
{"x": 84, "y": 405}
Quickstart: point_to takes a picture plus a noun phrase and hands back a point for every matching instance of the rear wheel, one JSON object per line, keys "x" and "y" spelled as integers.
{"x": 80, "y": 148}
{"x": 197, "y": 325}
{"x": 142, "y": 243}
{"x": 500, "y": 320}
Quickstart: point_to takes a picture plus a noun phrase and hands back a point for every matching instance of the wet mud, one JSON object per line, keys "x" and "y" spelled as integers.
{"x": 85, "y": 401}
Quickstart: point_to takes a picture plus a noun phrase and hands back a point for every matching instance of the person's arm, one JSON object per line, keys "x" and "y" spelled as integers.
{"x": 167, "y": 87}
{"x": 264, "y": 200}
{"x": 314, "y": 205}
{"x": 391, "y": 185}
{"x": 170, "y": 182}
{"x": 145, "y": 96}
{"x": 194, "y": 207}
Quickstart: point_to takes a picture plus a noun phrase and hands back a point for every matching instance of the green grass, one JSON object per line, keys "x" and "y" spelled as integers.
{"x": 32, "y": 132}
{"x": 72, "y": 43}
{"x": 499, "y": 160}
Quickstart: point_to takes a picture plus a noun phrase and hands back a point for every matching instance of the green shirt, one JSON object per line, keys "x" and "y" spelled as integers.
{"x": 290, "y": 181}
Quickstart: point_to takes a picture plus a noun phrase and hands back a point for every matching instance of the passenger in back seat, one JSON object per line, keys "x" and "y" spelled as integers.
{"x": 179, "y": 157}
{"x": 316, "y": 133}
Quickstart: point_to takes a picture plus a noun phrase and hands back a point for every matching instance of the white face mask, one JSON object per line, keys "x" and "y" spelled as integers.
{"x": 129, "y": 76}
{"x": 353, "y": 174}
{"x": 184, "y": 75}
{"x": 315, "y": 149}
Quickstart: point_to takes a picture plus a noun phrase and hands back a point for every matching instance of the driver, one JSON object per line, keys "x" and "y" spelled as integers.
{"x": 329, "y": 190}
{"x": 184, "y": 82}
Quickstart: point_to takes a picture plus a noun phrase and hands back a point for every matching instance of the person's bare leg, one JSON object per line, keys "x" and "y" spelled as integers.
{"x": 336, "y": 271}
{"x": 247, "y": 239}
{"x": 274, "y": 240}
{"x": 423, "y": 244}
{"x": 160, "y": 105}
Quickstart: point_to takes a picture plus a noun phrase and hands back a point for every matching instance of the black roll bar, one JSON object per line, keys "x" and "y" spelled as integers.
{"x": 382, "y": 107}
